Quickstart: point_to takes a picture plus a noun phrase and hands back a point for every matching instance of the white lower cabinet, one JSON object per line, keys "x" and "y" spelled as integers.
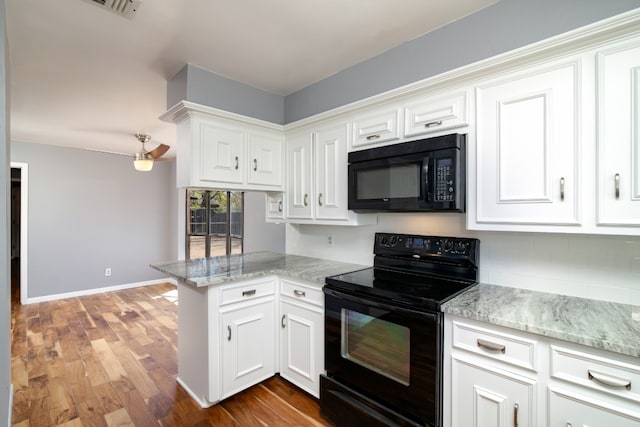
{"x": 248, "y": 353}
{"x": 490, "y": 397}
{"x": 302, "y": 335}
{"x": 496, "y": 376}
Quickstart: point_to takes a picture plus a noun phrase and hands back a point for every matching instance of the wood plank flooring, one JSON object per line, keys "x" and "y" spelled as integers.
{"x": 110, "y": 360}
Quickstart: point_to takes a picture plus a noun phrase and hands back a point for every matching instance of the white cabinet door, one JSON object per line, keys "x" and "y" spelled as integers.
{"x": 302, "y": 345}
{"x": 299, "y": 177}
{"x": 488, "y": 397}
{"x": 375, "y": 127}
{"x": 435, "y": 113}
{"x": 248, "y": 351}
{"x": 527, "y": 148}
{"x": 619, "y": 135}
{"x": 265, "y": 159}
{"x": 569, "y": 409}
{"x": 221, "y": 153}
{"x": 331, "y": 172}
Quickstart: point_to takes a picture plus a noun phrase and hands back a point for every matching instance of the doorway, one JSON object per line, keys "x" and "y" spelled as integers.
{"x": 19, "y": 227}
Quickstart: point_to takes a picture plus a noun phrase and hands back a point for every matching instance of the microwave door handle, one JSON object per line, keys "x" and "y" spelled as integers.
{"x": 426, "y": 163}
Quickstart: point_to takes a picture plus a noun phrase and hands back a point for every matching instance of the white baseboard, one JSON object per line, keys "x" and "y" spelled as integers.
{"x": 203, "y": 403}
{"x": 97, "y": 290}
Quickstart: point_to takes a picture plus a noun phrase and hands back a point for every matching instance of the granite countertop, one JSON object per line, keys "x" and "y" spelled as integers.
{"x": 599, "y": 324}
{"x": 223, "y": 269}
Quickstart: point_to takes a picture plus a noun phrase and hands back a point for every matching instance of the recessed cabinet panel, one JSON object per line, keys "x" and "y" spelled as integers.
{"x": 221, "y": 153}
{"x": 619, "y": 135}
{"x": 299, "y": 173}
{"x": 376, "y": 128}
{"x": 527, "y": 148}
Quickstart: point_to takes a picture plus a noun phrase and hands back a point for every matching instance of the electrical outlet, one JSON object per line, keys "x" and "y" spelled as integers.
{"x": 107, "y": 271}
{"x": 330, "y": 240}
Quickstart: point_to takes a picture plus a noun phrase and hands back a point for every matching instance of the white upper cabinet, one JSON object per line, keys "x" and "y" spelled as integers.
{"x": 221, "y": 151}
{"x": 435, "y": 113}
{"x": 527, "y": 147}
{"x": 265, "y": 159}
{"x": 216, "y": 149}
{"x": 618, "y": 80}
{"x": 316, "y": 183}
{"x": 375, "y": 127}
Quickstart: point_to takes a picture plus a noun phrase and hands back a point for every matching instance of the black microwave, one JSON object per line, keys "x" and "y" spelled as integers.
{"x": 417, "y": 176}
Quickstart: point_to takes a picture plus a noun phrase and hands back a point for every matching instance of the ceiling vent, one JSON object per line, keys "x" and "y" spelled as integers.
{"x": 126, "y": 8}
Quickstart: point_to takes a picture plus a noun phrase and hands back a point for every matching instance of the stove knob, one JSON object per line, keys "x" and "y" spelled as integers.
{"x": 384, "y": 241}
{"x": 394, "y": 240}
{"x": 461, "y": 247}
{"x": 447, "y": 245}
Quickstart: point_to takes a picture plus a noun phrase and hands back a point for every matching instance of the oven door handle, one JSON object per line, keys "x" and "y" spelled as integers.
{"x": 378, "y": 304}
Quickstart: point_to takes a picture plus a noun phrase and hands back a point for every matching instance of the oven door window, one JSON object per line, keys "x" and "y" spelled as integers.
{"x": 383, "y": 347}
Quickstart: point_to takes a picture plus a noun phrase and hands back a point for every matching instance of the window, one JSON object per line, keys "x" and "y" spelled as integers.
{"x": 215, "y": 223}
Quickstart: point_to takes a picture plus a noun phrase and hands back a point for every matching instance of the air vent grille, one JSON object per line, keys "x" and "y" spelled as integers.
{"x": 126, "y": 8}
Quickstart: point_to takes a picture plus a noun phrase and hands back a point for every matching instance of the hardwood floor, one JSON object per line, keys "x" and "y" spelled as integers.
{"x": 110, "y": 360}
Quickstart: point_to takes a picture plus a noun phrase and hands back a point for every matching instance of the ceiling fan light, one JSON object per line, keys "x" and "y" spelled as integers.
{"x": 142, "y": 162}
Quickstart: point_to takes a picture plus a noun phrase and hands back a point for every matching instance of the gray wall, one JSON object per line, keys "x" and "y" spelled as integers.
{"x": 89, "y": 211}
{"x": 505, "y": 26}
{"x": 202, "y": 87}
{"x": 502, "y": 27}
{"x": 259, "y": 234}
{"x": 5, "y": 233}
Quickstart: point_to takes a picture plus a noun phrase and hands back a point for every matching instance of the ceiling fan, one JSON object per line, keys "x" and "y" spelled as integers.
{"x": 143, "y": 160}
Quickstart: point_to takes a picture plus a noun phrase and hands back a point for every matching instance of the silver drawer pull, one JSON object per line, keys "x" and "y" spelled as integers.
{"x": 255, "y": 165}
{"x": 609, "y": 380}
{"x": 515, "y": 414}
{"x": 491, "y": 346}
{"x": 304, "y": 200}
{"x": 279, "y": 205}
{"x": 299, "y": 293}
{"x": 228, "y": 333}
{"x": 371, "y": 137}
{"x": 617, "y": 182}
{"x": 284, "y": 316}
{"x": 237, "y": 163}
{"x": 433, "y": 124}
{"x": 320, "y": 199}
{"x": 562, "y": 188}
{"x": 248, "y": 293}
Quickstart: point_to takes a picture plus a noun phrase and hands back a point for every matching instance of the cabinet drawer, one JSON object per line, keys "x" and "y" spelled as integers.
{"x": 246, "y": 291}
{"x": 434, "y": 114}
{"x": 572, "y": 409}
{"x": 373, "y": 129}
{"x": 597, "y": 373}
{"x": 302, "y": 292}
{"x": 506, "y": 348}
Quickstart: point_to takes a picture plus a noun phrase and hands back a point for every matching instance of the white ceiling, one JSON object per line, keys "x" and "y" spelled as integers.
{"x": 81, "y": 76}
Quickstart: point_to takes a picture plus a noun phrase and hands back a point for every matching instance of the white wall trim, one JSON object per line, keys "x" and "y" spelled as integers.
{"x": 97, "y": 290}
{"x": 24, "y": 228}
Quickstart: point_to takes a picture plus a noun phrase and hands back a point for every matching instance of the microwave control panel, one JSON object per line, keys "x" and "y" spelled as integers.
{"x": 444, "y": 190}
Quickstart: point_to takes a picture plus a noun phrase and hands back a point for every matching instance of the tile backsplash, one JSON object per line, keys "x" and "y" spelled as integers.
{"x": 598, "y": 267}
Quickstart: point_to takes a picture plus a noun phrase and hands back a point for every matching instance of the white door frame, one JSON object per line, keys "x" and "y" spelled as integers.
{"x": 24, "y": 227}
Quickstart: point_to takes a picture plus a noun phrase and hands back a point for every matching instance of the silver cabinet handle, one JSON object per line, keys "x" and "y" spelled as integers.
{"x": 372, "y": 137}
{"x": 562, "y": 188}
{"x": 248, "y": 293}
{"x": 433, "y": 124}
{"x": 284, "y": 316}
{"x": 320, "y": 199}
{"x": 255, "y": 165}
{"x": 569, "y": 425}
{"x": 617, "y": 181}
{"x": 228, "y": 333}
{"x": 279, "y": 205}
{"x": 609, "y": 380}
{"x": 237, "y": 163}
{"x": 515, "y": 414}
{"x": 305, "y": 201}
{"x": 298, "y": 293}
{"x": 491, "y": 346}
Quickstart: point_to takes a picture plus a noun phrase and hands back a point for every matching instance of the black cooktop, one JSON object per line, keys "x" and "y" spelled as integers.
{"x": 420, "y": 272}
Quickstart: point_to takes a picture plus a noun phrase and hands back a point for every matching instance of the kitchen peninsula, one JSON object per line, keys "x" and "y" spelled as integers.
{"x": 228, "y": 336}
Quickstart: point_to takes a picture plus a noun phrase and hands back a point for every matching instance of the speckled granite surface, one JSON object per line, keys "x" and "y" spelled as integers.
{"x": 600, "y": 324}
{"x": 223, "y": 269}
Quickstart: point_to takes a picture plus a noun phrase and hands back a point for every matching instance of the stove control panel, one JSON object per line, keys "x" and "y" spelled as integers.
{"x": 424, "y": 247}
